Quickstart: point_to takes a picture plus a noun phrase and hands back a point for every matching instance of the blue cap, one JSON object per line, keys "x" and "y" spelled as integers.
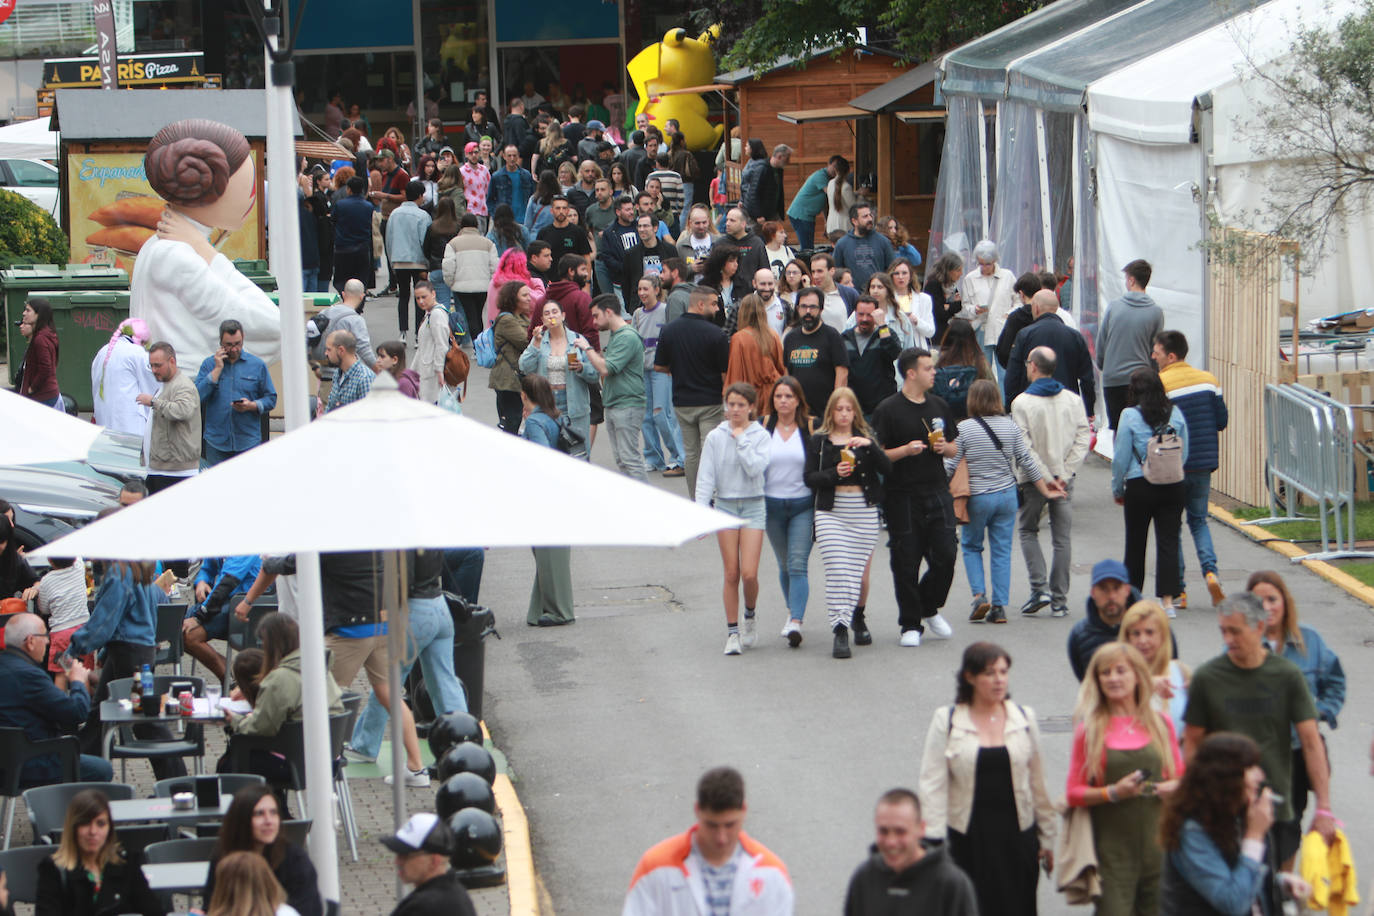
{"x": 1110, "y": 569}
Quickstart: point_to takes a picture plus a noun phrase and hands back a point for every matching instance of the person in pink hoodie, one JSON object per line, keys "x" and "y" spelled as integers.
{"x": 512, "y": 266}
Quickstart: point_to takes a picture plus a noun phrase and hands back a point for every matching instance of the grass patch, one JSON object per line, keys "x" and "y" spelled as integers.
{"x": 1309, "y": 531}
{"x": 1360, "y": 569}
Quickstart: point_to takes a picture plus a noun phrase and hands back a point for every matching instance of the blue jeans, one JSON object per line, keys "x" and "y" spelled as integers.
{"x": 789, "y": 532}
{"x": 214, "y": 456}
{"x": 462, "y": 573}
{"x": 90, "y": 768}
{"x": 689, "y": 195}
{"x": 660, "y": 421}
{"x": 310, "y": 278}
{"x": 605, "y": 284}
{"x": 430, "y": 636}
{"x": 1197, "y": 488}
{"x": 995, "y": 513}
{"x": 806, "y": 232}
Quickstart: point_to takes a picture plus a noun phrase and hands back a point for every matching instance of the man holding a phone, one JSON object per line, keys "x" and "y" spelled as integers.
{"x": 236, "y": 395}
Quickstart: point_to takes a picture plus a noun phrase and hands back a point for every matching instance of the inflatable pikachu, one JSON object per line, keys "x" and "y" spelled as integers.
{"x": 678, "y": 62}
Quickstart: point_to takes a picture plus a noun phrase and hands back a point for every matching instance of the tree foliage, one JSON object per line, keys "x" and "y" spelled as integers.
{"x": 1317, "y": 120}
{"x": 29, "y": 234}
{"x": 756, "y": 33}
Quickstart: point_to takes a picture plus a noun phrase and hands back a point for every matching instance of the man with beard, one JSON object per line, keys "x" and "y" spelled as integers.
{"x": 873, "y": 351}
{"x": 570, "y": 291}
{"x": 645, "y": 259}
{"x": 354, "y": 379}
{"x": 814, "y": 352}
{"x": 863, "y": 251}
{"x": 766, "y": 286}
{"x": 677, "y": 287}
{"x": 618, "y": 238}
{"x": 739, "y": 234}
{"x": 1111, "y": 594}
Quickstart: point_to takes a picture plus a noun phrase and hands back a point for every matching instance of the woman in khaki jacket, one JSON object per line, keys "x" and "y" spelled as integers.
{"x": 514, "y": 303}
{"x": 983, "y": 785}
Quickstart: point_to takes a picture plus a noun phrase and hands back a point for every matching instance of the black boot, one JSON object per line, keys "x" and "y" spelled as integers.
{"x": 841, "y": 649}
{"x": 860, "y": 627}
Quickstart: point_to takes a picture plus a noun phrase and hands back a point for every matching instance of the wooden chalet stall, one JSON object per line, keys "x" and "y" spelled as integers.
{"x": 863, "y": 104}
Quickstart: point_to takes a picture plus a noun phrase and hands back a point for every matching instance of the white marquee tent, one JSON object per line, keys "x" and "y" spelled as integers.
{"x": 28, "y": 140}
{"x": 1103, "y": 129}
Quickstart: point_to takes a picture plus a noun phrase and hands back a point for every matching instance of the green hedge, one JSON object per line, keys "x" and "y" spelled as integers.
{"x": 28, "y": 235}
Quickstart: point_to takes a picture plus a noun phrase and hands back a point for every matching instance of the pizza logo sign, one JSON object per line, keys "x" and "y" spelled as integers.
{"x": 6, "y": 7}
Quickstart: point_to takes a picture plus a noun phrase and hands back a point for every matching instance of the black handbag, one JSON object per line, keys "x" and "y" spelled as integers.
{"x": 570, "y": 440}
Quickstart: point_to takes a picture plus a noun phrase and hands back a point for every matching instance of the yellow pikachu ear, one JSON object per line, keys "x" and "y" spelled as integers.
{"x": 710, "y": 35}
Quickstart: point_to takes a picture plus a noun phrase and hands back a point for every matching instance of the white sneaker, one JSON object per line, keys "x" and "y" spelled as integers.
{"x": 939, "y": 626}
{"x": 791, "y": 631}
{"x": 911, "y": 639}
{"x": 748, "y": 632}
{"x": 1170, "y": 611}
{"x": 732, "y": 646}
{"x": 415, "y": 779}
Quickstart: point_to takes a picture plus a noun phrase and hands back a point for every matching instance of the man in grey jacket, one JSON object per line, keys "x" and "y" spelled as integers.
{"x": 174, "y": 441}
{"x": 1126, "y": 337}
{"x": 345, "y": 316}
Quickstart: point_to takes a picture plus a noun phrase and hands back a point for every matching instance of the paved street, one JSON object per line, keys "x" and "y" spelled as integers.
{"x": 608, "y": 724}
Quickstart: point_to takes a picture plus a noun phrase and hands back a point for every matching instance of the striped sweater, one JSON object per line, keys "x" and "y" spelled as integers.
{"x": 1197, "y": 395}
{"x": 990, "y": 469}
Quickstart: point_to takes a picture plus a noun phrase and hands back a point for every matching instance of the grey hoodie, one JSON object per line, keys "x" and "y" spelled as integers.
{"x": 732, "y": 466}
{"x": 1127, "y": 336}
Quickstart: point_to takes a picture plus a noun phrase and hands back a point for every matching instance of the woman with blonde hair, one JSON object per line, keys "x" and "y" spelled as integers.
{"x": 1304, "y": 647}
{"x": 245, "y": 886}
{"x": 845, "y": 467}
{"x": 1146, "y": 627}
{"x": 1125, "y": 756}
{"x": 88, "y": 874}
{"x": 755, "y": 352}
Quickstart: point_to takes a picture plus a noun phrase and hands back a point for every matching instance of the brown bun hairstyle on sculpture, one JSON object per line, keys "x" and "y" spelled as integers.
{"x": 190, "y": 162}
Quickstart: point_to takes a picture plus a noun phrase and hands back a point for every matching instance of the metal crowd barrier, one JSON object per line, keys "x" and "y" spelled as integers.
{"x": 1311, "y": 450}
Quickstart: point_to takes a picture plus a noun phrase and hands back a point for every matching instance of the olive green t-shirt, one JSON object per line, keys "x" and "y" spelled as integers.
{"x": 1261, "y": 703}
{"x": 623, "y": 385}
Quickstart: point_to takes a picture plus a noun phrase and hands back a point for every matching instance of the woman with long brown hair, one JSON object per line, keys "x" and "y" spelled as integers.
{"x": 961, "y": 363}
{"x": 38, "y": 371}
{"x": 88, "y": 874}
{"x": 755, "y": 352}
{"x": 253, "y": 825}
{"x": 1213, "y": 831}
{"x": 788, "y": 501}
{"x": 1125, "y": 757}
{"x": 1304, "y": 647}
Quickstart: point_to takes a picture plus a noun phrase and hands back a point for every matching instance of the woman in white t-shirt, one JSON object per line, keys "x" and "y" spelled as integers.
{"x": 839, "y": 196}
{"x": 788, "y": 500}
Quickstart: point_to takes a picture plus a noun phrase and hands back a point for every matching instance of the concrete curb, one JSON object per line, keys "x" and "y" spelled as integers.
{"x": 1332, "y": 574}
{"x": 522, "y": 884}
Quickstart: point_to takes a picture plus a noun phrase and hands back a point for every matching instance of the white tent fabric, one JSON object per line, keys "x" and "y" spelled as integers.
{"x": 38, "y": 434}
{"x": 1143, "y": 120}
{"x": 28, "y": 140}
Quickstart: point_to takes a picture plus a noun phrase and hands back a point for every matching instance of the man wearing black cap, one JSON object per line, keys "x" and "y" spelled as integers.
{"x": 422, "y": 847}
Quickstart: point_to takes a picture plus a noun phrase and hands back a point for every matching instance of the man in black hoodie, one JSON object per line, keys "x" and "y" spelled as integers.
{"x": 1111, "y": 595}
{"x": 902, "y": 875}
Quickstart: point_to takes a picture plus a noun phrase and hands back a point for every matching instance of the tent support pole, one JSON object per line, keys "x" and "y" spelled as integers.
{"x": 983, "y": 158}
{"x": 394, "y": 600}
{"x": 284, "y": 224}
{"x": 1042, "y": 160}
{"x": 1076, "y": 168}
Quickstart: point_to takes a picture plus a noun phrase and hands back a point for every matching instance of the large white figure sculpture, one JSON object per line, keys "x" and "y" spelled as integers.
{"x": 182, "y": 287}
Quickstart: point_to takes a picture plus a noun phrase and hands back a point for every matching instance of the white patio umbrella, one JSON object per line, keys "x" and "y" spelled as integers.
{"x": 38, "y": 434}
{"x": 387, "y": 450}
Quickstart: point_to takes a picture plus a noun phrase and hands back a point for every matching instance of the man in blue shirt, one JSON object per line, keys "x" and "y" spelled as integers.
{"x": 236, "y": 393}
{"x": 510, "y": 185}
{"x": 219, "y": 579}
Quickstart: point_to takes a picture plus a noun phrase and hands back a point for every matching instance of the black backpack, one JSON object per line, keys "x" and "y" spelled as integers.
{"x": 952, "y": 384}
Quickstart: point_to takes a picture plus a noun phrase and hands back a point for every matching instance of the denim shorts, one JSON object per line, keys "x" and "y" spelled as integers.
{"x": 750, "y": 508}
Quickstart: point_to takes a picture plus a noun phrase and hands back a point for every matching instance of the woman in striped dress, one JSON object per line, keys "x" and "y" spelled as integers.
{"x": 844, "y": 466}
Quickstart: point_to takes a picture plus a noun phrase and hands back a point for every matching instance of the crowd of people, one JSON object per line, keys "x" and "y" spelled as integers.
{"x": 820, "y": 397}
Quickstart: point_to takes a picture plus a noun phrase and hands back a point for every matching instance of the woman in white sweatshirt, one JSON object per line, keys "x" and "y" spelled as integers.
{"x": 733, "y": 459}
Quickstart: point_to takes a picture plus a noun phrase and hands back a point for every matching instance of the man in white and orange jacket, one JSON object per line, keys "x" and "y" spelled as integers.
{"x": 714, "y": 867}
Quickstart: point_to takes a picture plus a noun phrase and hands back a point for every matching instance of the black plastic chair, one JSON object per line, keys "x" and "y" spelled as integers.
{"x": 289, "y": 742}
{"x": 135, "y": 838}
{"x": 15, "y": 750}
{"x": 243, "y": 634}
{"x": 124, "y": 746}
{"x": 229, "y": 783}
{"x": 296, "y": 831}
{"x": 47, "y": 805}
{"x": 195, "y": 850}
{"x": 169, "y": 618}
{"x": 21, "y": 871}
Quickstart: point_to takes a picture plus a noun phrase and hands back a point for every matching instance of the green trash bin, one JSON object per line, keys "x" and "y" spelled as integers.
{"x": 258, "y": 272}
{"x": 84, "y": 322}
{"x": 20, "y": 281}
